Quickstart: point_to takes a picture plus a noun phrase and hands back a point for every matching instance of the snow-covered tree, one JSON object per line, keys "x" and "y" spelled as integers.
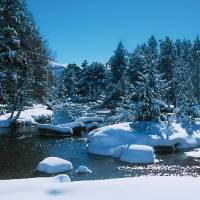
{"x": 136, "y": 63}
{"x": 118, "y": 63}
{"x": 150, "y": 88}
{"x": 196, "y": 67}
{"x": 182, "y": 78}
{"x": 166, "y": 65}
{"x": 92, "y": 81}
{"x": 68, "y": 84}
{"x": 116, "y": 87}
{"x": 23, "y": 57}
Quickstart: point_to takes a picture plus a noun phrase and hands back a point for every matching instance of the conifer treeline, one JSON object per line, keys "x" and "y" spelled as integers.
{"x": 154, "y": 73}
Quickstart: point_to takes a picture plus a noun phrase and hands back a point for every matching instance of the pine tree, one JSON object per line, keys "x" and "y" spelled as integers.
{"x": 196, "y": 67}
{"x": 23, "y": 56}
{"x": 183, "y": 78}
{"x": 136, "y": 63}
{"x": 150, "y": 87}
{"x": 116, "y": 88}
{"x": 166, "y": 65}
{"x": 68, "y": 84}
{"x": 92, "y": 81}
{"x": 118, "y": 63}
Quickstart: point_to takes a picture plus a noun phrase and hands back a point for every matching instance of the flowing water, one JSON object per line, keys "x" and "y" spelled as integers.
{"x": 21, "y": 151}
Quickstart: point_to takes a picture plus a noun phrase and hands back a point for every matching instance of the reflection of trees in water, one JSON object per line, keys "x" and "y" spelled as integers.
{"x": 20, "y": 154}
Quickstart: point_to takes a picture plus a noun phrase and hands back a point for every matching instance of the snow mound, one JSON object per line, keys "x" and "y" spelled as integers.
{"x": 90, "y": 119}
{"x": 111, "y": 140}
{"x": 29, "y": 116}
{"x": 83, "y": 169}
{"x": 195, "y": 153}
{"x": 52, "y": 165}
{"x": 139, "y": 154}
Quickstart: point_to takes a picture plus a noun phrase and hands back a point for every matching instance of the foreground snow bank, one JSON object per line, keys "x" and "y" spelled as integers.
{"x": 112, "y": 140}
{"x": 30, "y": 116}
{"x": 140, "y": 188}
{"x": 52, "y": 165}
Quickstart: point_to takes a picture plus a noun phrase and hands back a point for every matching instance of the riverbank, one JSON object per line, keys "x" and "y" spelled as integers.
{"x": 29, "y": 116}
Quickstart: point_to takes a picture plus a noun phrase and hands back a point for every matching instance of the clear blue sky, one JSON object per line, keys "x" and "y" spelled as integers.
{"x": 90, "y": 29}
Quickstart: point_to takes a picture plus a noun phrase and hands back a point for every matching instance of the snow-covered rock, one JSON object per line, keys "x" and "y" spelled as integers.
{"x": 138, "y": 188}
{"x": 90, "y": 119}
{"x": 189, "y": 142}
{"x": 103, "y": 112}
{"x": 62, "y": 178}
{"x": 71, "y": 125}
{"x": 83, "y": 169}
{"x": 195, "y": 153}
{"x": 140, "y": 154}
{"x": 91, "y": 126}
{"x": 112, "y": 119}
{"x": 52, "y": 130}
{"x": 106, "y": 140}
{"x": 52, "y": 165}
{"x": 77, "y": 127}
{"x": 30, "y": 116}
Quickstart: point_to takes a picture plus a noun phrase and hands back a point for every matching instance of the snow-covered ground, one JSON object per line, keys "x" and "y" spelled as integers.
{"x": 115, "y": 139}
{"x": 140, "y": 188}
{"x": 29, "y": 116}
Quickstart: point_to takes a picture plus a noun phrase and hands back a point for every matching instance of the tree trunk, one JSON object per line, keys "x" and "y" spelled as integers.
{"x": 14, "y": 119}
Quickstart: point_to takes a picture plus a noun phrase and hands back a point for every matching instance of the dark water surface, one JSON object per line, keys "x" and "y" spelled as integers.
{"x": 20, "y": 154}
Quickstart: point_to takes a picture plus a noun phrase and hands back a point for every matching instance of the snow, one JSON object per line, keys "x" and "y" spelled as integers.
{"x": 138, "y": 154}
{"x": 90, "y": 119}
{"x": 195, "y": 153}
{"x": 139, "y": 188}
{"x": 71, "y": 125}
{"x": 83, "y": 169}
{"x": 112, "y": 140}
{"x": 52, "y": 165}
{"x": 30, "y": 116}
{"x": 55, "y": 130}
{"x": 91, "y": 126}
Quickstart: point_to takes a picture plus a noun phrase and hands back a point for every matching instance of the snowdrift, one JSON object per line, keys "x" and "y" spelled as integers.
{"x": 140, "y": 188}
